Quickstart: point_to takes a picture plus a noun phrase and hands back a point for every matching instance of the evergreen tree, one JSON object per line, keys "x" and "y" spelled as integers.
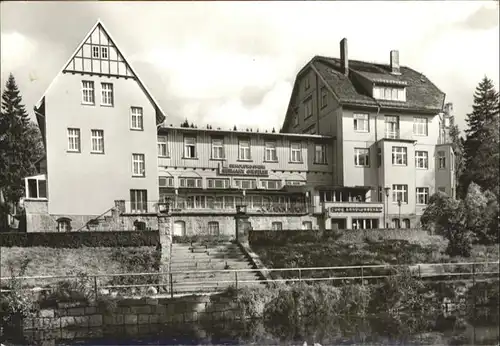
{"x": 458, "y": 149}
{"x": 481, "y": 146}
{"x": 20, "y": 144}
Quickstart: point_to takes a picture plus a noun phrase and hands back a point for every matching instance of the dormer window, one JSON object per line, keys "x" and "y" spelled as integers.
{"x": 389, "y": 93}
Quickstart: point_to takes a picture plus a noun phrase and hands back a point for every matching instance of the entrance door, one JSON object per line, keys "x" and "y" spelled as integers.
{"x": 338, "y": 224}
{"x": 179, "y": 228}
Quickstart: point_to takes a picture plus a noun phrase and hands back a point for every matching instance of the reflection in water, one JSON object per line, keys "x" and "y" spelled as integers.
{"x": 481, "y": 329}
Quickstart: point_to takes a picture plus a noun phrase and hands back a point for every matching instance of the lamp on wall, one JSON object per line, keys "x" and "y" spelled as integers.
{"x": 386, "y": 189}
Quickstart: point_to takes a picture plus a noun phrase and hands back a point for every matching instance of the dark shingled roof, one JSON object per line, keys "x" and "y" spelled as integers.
{"x": 421, "y": 95}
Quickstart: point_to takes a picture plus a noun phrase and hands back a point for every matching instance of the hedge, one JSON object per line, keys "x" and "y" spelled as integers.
{"x": 80, "y": 239}
{"x": 271, "y": 237}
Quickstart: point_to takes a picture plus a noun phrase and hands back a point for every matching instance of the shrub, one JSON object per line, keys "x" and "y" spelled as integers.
{"x": 80, "y": 239}
{"x": 79, "y": 290}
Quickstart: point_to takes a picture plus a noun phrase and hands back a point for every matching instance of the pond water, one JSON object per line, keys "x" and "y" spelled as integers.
{"x": 346, "y": 330}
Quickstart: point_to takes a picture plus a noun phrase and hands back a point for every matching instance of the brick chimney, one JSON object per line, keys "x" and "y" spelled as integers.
{"x": 395, "y": 62}
{"x": 343, "y": 56}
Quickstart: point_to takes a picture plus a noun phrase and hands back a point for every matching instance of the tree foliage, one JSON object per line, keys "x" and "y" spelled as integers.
{"x": 458, "y": 149}
{"x": 20, "y": 143}
{"x": 481, "y": 146}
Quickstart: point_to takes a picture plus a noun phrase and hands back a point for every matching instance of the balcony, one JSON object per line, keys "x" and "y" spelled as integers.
{"x": 394, "y": 134}
{"x": 185, "y": 207}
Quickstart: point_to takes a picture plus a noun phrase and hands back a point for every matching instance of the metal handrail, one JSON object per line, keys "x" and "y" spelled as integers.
{"x": 255, "y": 270}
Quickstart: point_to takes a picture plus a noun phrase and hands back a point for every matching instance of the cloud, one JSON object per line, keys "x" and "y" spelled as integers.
{"x": 17, "y": 49}
{"x": 485, "y": 18}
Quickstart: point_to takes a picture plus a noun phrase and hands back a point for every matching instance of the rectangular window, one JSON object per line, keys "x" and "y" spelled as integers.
{"x": 137, "y": 123}
{"x": 106, "y": 94}
{"x": 104, "y": 52}
{"x": 362, "y": 157}
{"x": 217, "y": 148}
{"x": 361, "y": 122}
{"x": 213, "y": 228}
{"x": 320, "y": 153}
{"x": 138, "y": 165}
{"x": 244, "y": 150}
{"x": 422, "y": 159}
{"x": 324, "y": 97}
{"x": 88, "y": 92}
{"x": 245, "y": 184}
{"x": 391, "y": 126}
{"x": 74, "y": 140}
{"x": 277, "y": 226}
{"x": 400, "y": 193}
{"x": 95, "y": 51}
{"x": 441, "y": 159}
{"x": 399, "y": 156}
{"x": 189, "y": 147}
{"x": 166, "y": 181}
{"x": 218, "y": 183}
{"x": 295, "y": 152}
{"x": 191, "y": 182}
{"x": 97, "y": 139}
{"x": 308, "y": 108}
{"x": 270, "y": 184}
{"x": 420, "y": 126}
{"x": 162, "y": 146}
{"x": 139, "y": 201}
{"x": 389, "y": 93}
{"x": 270, "y": 152}
{"x": 307, "y": 225}
{"x": 36, "y": 188}
{"x": 422, "y": 195}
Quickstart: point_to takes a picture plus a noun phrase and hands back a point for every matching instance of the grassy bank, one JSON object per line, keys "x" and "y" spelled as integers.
{"x": 43, "y": 261}
{"x": 327, "y": 252}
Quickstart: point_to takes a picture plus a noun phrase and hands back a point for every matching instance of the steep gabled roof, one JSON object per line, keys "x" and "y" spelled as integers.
{"x": 112, "y": 64}
{"x": 421, "y": 94}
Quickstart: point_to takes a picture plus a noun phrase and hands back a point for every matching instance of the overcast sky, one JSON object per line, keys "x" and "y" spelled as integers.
{"x": 227, "y": 63}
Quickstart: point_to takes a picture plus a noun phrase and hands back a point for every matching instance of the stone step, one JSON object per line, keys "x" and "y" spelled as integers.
{"x": 209, "y": 264}
{"x": 210, "y": 288}
{"x": 208, "y": 259}
{"x": 220, "y": 276}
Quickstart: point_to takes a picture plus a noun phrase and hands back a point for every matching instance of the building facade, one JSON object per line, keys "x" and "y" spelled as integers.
{"x": 357, "y": 138}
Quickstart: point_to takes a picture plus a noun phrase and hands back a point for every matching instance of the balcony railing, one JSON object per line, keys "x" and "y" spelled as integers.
{"x": 153, "y": 207}
{"x": 394, "y": 134}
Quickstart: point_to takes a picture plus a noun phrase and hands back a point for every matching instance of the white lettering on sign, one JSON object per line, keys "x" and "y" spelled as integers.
{"x": 355, "y": 210}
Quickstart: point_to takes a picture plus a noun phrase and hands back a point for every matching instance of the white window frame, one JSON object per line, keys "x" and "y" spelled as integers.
{"x": 441, "y": 156}
{"x": 213, "y": 228}
{"x": 268, "y": 184}
{"x": 189, "y": 147}
{"x": 95, "y": 52}
{"x": 399, "y": 155}
{"x": 277, "y": 226}
{"x": 296, "y": 152}
{"x": 104, "y": 52}
{"x": 107, "y": 94}
{"x": 97, "y": 141}
{"x": 362, "y": 157}
{"x": 162, "y": 142}
{"x": 270, "y": 151}
{"x": 389, "y": 93}
{"x": 420, "y": 126}
{"x": 308, "y": 108}
{"x": 165, "y": 181}
{"x": 400, "y": 191}
{"x": 422, "y": 195}
{"x": 191, "y": 182}
{"x": 136, "y": 118}
{"x": 218, "y": 183}
{"x": 38, "y": 189}
{"x": 392, "y": 126}
{"x": 421, "y": 159}
{"x": 320, "y": 154}
{"x": 245, "y": 184}
{"x": 138, "y": 165}
{"x": 74, "y": 140}
{"x": 217, "y": 148}
{"x": 361, "y": 122}
{"x": 88, "y": 92}
{"x": 138, "y": 201}
{"x": 244, "y": 150}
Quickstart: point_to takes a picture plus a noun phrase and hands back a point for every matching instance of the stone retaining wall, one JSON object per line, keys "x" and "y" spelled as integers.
{"x": 131, "y": 312}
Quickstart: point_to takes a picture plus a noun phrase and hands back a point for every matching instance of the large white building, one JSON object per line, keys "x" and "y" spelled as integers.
{"x": 354, "y": 133}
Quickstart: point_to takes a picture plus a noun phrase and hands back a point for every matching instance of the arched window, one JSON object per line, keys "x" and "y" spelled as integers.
{"x": 63, "y": 224}
{"x": 406, "y": 223}
{"x": 395, "y": 223}
{"x": 213, "y": 228}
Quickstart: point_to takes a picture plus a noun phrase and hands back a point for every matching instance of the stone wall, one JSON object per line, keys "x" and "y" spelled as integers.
{"x": 134, "y": 312}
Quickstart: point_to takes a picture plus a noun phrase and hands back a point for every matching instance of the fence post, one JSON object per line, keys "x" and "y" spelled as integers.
{"x": 362, "y": 277}
{"x": 171, "y": 285}
{"x": 419, "y": 272}
{"x": 95, "y": 286}
{"x": 300, "y": 274}
{"x": 473, "y": 273}
{"x": 236, "y": 279}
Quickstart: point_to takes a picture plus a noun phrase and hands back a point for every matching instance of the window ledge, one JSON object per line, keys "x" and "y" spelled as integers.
{"x": 212, "y": 159}
{"x": 189, "y": 158}
{"x": 321, "y": 163}
{"x": 41, "y": 199}
{"x": 163, "y": 157}
{"x": 271, "y": 161}
{"x": 74, "y": 151}
{"x": 296, "y": 162}
{"x": 244, "y": 160}
{"x": 88, "y": 104}
{"x": 97, "y": 152}
{"x": 359, "y": 166}
{"x": 138, "y": 176}
{"x": 134, "y": 129}
{"x": 104, "y": 105}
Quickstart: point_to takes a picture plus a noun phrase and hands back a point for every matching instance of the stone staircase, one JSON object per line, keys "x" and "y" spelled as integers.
{"x": 188, "y": 263}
